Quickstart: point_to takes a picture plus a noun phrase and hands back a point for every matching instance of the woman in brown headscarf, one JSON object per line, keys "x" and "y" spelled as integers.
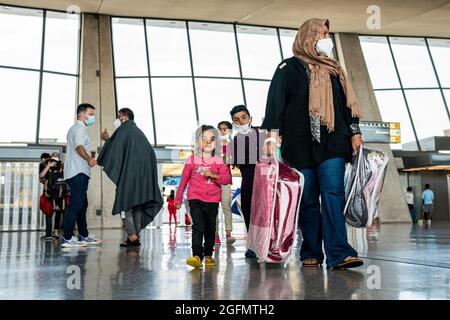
{"x": 312, "y": 106}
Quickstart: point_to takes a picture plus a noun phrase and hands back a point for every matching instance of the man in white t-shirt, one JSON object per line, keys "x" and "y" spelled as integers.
{"x": 410, "y": 202}
{"x": 77, "y": 172}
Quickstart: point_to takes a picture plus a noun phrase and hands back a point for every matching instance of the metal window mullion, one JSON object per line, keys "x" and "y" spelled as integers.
{"x": 403, "y": 93}
{"x": 147, "y": 52}
{"x": 279, "y": 43}
{"x": 239, "y": 63}
{"x": 41, "y": 75}
{"x": 197, "y": 115}
{"x": 437, "y": 77}
{"x": 77, "y": 96}
{"x": 113, "y": 63}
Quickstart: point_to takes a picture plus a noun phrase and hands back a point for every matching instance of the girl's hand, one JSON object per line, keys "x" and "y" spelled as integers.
{"x": 178, "y": 206}
{"x": 210, "y": 174}
{"x": 357, "y": 141}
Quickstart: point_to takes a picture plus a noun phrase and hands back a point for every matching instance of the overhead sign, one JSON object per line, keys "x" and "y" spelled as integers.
{"x": 380, "y": 132}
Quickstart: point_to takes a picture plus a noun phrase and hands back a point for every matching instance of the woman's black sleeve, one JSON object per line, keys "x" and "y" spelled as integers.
{"x": 276, "y": 100}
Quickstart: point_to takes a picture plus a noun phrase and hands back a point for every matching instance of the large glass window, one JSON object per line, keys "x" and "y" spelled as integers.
{"x": 216, "y": 97}
{"x": 260, "y": 51}
{"x": 134, "y": 93}
{"x": 393, "y": 109}
{"x": 130, "y": 58}
{"x": 29, "y": 64}
{"x": 406, "y": 64}
{"x": 440, "y": 51}
{"x": 57, "y": 109}
{"x": 195, "y": 74}
{"x": 174, "y": 110}
{"x": 379, "y": 62}
{"x": 413, "y": 61}
{"x": 287, "y": 38}
{"x": 19, "y": 91}
{"x": 20, "y": 37}
{"x": 256, "y": 93}
{"x": 168, "y": 48}
{"x": 428, "y": 112}
{"x": 214, "y": 50}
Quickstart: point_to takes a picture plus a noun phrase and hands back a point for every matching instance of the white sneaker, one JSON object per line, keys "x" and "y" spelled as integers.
{"x": 429, "y": 222}
{"x": 89, "y": 240}
{"x": 420, "y": 222}
{"x": 72, "y": 243}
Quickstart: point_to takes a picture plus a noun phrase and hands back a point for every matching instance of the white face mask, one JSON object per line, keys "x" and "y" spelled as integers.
{"x": 324, "y": 46}
{"x": 117, "y": 123}
{"x": 244, "y": 129}
{"x": 225, "y": 137}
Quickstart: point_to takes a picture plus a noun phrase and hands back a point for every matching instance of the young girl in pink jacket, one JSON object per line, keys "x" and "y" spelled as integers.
{"x": 204, "y": 173}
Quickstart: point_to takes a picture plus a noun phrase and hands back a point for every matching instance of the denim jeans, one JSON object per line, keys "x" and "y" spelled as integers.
{"x": 324, "y": 220}
{"x": 412, "y": 212}
{"x": 76, "y": 213}
{"x": 204, "y": 216}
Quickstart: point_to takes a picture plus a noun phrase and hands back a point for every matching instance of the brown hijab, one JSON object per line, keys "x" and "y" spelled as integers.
{"x": 321, "y": 67}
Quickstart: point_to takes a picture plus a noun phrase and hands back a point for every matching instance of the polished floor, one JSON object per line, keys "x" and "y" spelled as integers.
{"x": 402, "y": 261}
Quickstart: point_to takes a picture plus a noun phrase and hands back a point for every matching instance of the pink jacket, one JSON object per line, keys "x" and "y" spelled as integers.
{"x": 200, "y": 187}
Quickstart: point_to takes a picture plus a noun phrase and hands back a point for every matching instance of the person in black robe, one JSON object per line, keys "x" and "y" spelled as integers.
{"x": 246, "y": 150}
{"x": 313, "y": 110}
{"x": 130, "y": 162}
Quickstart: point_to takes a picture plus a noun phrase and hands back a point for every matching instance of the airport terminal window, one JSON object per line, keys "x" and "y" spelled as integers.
{"x": 20, "y": 37}
{"x": 135, "y": 93}
{"x": 405, "y": 73}
{"x": 168, "y": 48}
{"x": 61, "y": 42}
{"x": 21, "y": 104}
{"x": 59, "y": 95}
{"x": 130, "y": 58}
{"x": 287, "y": 38}
{"x": 179, "y": 95}
{"x": 260, "y": 51}
{"x": 29, "y": 66}
{"x": 440, "y": 51}
{"x": 214, "y": 98}
{"x": 413, "y": 61}
{"x": 379, "y": 62}
{"x": 428, "y": 112}
{"x": 174, "y": 110}
{"x": 256, "y": 93}
{"x": 214, "y": 50}
{"x": 393, "y": 109}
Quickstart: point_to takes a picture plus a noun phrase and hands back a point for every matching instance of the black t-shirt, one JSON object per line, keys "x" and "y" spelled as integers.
{"x": 287, "y": 110}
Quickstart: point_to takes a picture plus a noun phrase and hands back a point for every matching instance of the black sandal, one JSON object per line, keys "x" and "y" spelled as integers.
{"x": 350, "y": 263}
{"x": 130, "y": 243}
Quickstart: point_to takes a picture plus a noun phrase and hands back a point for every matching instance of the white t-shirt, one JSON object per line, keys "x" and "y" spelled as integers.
{"x": 409, "y": 197}
{"x": 74, "y": 163}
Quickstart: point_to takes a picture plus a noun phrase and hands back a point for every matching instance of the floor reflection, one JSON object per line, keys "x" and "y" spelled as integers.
{"x": 413, "y": 262}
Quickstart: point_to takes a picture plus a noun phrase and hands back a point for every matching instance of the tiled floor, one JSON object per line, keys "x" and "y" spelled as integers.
{"x": 402, "y": 261}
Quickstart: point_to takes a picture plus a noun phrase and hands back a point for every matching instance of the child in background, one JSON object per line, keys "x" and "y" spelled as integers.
{"x": 171, "y": 207}
{"x": 204, "y": 173}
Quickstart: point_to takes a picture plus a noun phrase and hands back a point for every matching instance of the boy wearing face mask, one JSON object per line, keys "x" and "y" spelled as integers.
{"x": 77, "y": 173}
{"x": 246, "y": 150}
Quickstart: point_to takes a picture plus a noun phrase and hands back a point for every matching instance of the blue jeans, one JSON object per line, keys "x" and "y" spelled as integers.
{"x": 324, "y": 219}
{"x": 78, "y": 186}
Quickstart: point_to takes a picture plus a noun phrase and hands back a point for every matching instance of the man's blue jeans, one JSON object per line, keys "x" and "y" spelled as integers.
{"x": 78, "y": 186}
{"x": 324, "y": 219}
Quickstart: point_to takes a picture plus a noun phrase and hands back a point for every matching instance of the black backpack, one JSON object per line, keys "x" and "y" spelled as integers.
{"x": 57, "y": 187}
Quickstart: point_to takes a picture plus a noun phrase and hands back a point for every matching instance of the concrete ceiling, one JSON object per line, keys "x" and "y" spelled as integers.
{"x": 398, "y": 17}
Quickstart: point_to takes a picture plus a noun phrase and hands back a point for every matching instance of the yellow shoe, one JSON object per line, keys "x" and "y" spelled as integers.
{"x": 209, "y": 262}
{"x": 194, "y": 261}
